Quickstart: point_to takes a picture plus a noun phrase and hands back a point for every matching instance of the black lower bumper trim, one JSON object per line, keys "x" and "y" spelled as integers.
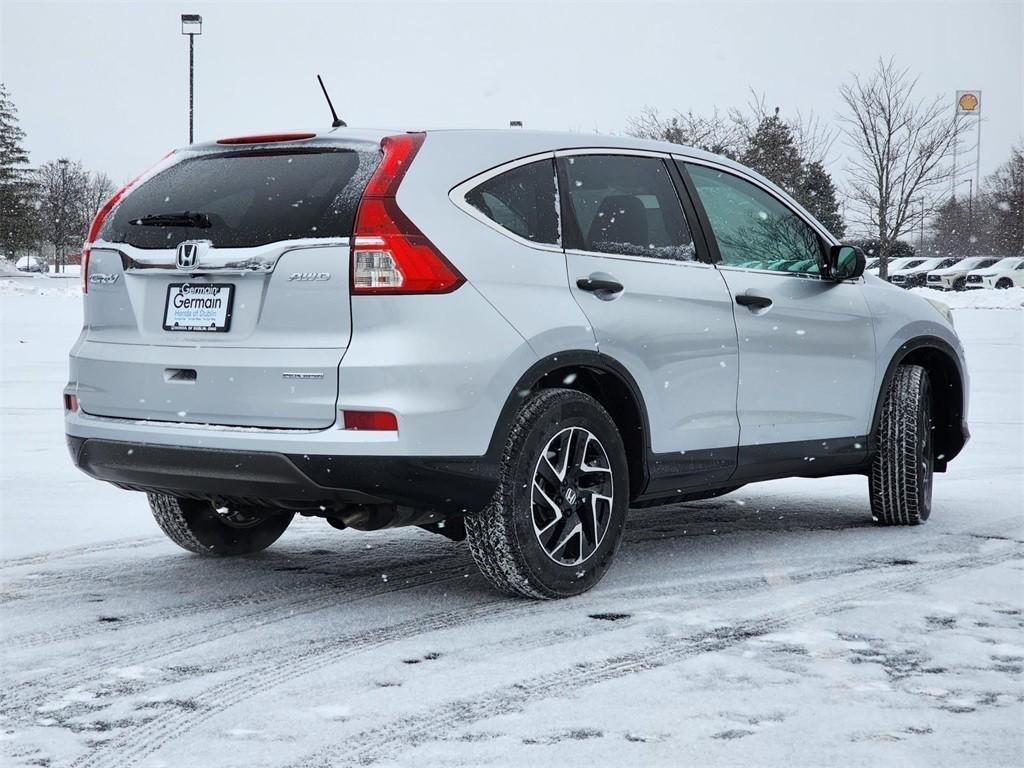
{"x": 446, "y": 485}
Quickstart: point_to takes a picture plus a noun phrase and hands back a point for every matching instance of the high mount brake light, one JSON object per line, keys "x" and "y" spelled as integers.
{"x": 389, "y": 253}
{"x": 101, "y": 214}
{"x": 266, "y": 138}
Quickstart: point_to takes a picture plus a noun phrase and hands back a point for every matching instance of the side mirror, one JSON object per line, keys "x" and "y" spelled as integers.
{"x": 843, "y": 262}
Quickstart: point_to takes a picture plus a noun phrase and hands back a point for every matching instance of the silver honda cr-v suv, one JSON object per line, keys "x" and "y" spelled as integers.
{"x": 505, "y": 336}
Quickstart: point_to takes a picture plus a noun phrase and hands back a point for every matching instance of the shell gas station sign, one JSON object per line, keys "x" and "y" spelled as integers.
{"x": 968, "y": 102}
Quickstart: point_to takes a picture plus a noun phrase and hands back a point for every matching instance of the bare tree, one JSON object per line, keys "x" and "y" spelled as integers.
{"x": 715, "y": 133}
{"x": 68, "y": 198}
{"x": 97, "y": 191}
{"x": 900, "y": 147}
{"x": 813, "y": 138}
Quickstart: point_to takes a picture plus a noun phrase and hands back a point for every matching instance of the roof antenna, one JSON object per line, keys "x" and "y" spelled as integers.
{"x": 338, "y": 122}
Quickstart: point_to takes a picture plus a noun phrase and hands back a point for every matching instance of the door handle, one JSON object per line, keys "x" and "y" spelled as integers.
{"x": 756, "y": 302}
{"x": 594, "y": 285}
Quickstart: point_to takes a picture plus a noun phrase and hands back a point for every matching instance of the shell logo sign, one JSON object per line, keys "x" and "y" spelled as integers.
{"x": 968, "y": 102}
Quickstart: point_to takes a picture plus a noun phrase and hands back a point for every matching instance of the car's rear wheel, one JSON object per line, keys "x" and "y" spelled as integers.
{"x": 200, "y": 527}
{"x": 902, "y": 468}
{"x": 1004, "y": 282}
{"x": 557, "y": 517}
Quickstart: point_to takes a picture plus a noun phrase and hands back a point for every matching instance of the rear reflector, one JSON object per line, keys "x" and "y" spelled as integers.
{"x": 71, "y": 403}
{"x": 389, "y": 253}
{"x": 266, "y": 138}
{"x": 374, "y": 421}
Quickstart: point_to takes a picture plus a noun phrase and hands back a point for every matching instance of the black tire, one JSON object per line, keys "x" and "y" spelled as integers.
{"x": 960, "y": 284}
{"x": 1004, "y": 283}
{"x": 903, "y": 465}
{"x": 506, "y": 537}
{"x": 198, "y": 527}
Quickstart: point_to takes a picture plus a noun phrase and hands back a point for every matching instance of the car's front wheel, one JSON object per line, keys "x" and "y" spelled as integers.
{"x": 200, "y": 527}
{"x": 903, "y": 465}
{"x": 557, "y": 517}
{"x": 1004, "y": 283}
{"x": 960, "y": 284}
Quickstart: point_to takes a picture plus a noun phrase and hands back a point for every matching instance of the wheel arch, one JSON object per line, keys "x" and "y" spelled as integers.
{"x": 607, "y": 381}
{"x": 942, "y": 363}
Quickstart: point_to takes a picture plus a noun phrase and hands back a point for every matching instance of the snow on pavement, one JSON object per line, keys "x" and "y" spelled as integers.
{"x": 773, "y": 626}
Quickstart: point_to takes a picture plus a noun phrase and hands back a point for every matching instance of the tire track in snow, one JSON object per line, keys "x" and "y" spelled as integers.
{"x": 82, "y": 551}
{"x": 138, "y": 743}
{"x": 52, "y": 584}
{"x": 655, "y": 532}
{"x": 286, "y": 592}
{"x": 387, "y": 739}
{"x": 21, "y": 698}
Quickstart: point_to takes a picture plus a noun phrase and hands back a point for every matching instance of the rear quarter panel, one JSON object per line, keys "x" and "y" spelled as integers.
{"x": 528, "y": 286}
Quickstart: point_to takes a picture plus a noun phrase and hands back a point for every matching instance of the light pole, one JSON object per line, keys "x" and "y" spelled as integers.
{"x": 920, "y": 235}
{"x": 58, "y": 255}
{"x": 970, "y": 212}
{"x": 191, "y": 25}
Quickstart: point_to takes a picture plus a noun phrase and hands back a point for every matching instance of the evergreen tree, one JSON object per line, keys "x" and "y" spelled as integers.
{"x": 772, "y": 152}
{"x": 817, "y": 194}
{"x": 1006, "y": 196}
{"x": 951, "y": 227}
{"x": 17, "y": 214}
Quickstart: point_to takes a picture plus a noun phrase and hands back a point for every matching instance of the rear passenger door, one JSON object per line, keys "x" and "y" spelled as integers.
{"x": 807, "y": 361}
{"x": 656, "y": 304}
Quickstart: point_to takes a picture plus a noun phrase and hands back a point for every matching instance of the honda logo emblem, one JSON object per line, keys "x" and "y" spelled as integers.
{"x": 189, "y": 252}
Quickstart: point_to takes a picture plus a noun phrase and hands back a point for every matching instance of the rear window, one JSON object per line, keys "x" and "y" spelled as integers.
{"x": 247, "y": 198}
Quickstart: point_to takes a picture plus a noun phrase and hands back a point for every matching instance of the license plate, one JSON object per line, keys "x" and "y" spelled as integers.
{"x": 198, "y": 307}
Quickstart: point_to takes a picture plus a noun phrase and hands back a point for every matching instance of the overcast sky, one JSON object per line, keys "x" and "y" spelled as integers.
{"x": 107, "y": 83}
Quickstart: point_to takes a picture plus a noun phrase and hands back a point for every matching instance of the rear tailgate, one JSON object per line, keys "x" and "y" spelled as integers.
{"x": 252, "y": 333}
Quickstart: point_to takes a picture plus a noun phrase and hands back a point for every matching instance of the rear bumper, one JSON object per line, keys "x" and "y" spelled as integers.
{"x": 422, "y": 486}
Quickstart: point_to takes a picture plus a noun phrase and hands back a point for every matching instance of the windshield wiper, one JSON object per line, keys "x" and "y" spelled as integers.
{"x": 183, "y": 219}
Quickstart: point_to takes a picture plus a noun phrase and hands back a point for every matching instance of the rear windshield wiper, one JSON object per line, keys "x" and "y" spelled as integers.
{"x": 183, "y": 219}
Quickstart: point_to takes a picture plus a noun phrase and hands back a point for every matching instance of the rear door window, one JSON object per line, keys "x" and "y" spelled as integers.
{"x": 246, "y": 199}
{"x": 523, "y": 200}
{"x": 626, "y": 205}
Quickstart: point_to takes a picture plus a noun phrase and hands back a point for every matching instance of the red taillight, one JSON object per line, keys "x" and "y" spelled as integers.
{"x": 101, "y": 214}
{"x": 71, "y": 403}
{"x": 389, "y": 253}
{"x": 266, "y": 138}
{"x": 373, "y": 421}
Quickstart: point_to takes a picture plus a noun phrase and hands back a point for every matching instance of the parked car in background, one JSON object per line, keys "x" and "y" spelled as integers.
{"x": 894, "y": 264}
{"x": 1005, "y": 273}
{"x": 31, "y": 264}
{"x": 912, "y": 274}
{"x": 954, "y": 278}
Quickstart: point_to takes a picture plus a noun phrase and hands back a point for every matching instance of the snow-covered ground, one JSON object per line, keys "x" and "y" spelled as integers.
{"x": 772, "y": 627}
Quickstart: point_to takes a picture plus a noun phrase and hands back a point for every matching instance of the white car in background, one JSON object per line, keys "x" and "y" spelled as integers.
{"x": 31, "y": 264}
{"x": 913, "y": 273}
{"x": 1005, "y": 273}
{"x": 954, "y": 278}
{"x": 894, "y": 264}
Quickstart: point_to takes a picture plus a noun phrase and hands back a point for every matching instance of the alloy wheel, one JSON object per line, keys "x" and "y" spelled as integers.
{"x": 572, "y": 494}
